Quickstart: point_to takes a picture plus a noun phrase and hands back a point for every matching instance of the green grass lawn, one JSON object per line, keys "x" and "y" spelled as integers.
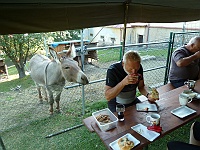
{"x": 31, "y": 135}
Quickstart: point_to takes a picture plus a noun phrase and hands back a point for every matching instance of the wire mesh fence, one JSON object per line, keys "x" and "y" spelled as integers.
{"x": 22, "y": 106}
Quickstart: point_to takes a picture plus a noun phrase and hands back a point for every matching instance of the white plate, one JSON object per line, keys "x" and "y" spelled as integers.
{"x": 142, "y": 130}
{"x": 183, "y": 111}
{"x": 142, "y": 107}
{"x": 114, "y": 145}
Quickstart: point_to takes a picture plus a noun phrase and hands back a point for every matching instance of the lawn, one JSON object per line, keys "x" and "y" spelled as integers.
{"x": 31, "y": 134}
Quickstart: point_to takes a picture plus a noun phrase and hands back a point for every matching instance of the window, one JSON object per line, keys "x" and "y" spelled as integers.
{"x": 113, "y": 40}
{"x": 102, "y": 37}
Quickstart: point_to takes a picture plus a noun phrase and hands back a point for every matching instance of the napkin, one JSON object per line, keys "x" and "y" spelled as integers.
{"x": 155, "y": 128}
{"x": 142, "y": 98}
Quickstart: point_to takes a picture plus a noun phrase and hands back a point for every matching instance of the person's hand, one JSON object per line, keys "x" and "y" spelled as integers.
{"x": 130, "y": 79}
{"x": 197, "y": 54}
{"x": 151, "y": 99}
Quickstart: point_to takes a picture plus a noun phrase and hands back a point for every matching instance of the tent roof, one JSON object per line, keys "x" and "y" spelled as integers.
{"x": 25, "y": 16}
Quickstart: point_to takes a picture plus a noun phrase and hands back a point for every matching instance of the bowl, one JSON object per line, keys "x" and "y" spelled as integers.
{"x": 105, "y": 126}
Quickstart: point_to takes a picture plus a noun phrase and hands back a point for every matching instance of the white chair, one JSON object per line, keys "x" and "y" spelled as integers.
{"x": 194, "y": 142}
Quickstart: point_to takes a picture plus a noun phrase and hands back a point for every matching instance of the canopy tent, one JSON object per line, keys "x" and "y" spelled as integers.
{"x": 56, "y": 15}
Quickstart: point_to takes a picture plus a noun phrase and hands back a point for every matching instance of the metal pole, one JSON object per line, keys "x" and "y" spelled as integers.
{"x": 63, "y": 131}
{"x": 82, "y": 66}
{"x": 170, "y": 50}
{"x": 2, "y": 145}
{"x": 125, "y": 22}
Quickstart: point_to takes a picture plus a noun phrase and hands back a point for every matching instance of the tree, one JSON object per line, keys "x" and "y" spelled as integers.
{"x": 64, "y": 35}
{"x": 18, "y": 47}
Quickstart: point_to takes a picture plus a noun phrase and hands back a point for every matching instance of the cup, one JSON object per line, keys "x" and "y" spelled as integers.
{"x": 120, "y": 108}
{"x": 153, "y": 119}
{"x": 184, "y": 99}
{"x": 136, "y": 76}
{"x": 190, "y": 84}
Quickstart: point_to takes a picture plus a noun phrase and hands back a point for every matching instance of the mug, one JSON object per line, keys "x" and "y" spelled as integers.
{"x": 190, "y": 84}
{"x": 183, "y": 99}
{"x": 153, "y": 119}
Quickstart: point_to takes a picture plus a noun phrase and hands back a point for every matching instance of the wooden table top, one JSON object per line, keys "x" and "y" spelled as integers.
{"x": 169, "y": 122}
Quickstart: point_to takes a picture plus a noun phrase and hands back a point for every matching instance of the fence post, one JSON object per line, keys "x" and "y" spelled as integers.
{"x": 121, "y": 51}
{"x": 170, "y": 49}
{"x": 83, "y": 69}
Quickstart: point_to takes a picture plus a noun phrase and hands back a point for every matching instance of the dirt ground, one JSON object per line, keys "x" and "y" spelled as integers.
{"x": 21, "y": 106}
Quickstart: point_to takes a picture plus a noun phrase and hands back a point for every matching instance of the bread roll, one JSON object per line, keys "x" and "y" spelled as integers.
{"x": 125, "y": 144}
{"x": 155, "y": 94}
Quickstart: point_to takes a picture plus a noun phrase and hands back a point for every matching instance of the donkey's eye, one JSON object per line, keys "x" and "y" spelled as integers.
{"x": 67, "y": 67}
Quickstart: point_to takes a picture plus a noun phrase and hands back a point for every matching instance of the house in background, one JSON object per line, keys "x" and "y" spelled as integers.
{"x": 137, "y": 32}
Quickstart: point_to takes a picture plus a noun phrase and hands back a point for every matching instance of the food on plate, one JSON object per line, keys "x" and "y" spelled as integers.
{"x": 103, "y": 118}
{"x": 146, "y": 109}
{"x": 155, "y": 94}
{"x": 125, "y": 144}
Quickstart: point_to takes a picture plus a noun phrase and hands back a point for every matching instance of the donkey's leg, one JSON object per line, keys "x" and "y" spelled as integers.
{"x": 45, "y": 93}
{"x": 39, "y": 92}
{"x": 51, "y": 101}
{"x": 57, "y": 99}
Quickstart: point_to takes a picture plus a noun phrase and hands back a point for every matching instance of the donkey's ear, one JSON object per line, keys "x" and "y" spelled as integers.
{"x": 53, "y": 53}
{"x": 71, "y": 51}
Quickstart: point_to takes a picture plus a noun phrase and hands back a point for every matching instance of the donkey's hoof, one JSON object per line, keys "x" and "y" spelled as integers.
{"x": 58, "y": 110}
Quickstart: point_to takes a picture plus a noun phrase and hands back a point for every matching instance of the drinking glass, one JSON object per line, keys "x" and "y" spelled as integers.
{"x": 120, "y": 108}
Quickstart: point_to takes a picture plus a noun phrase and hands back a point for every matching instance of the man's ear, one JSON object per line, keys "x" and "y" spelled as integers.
{"x": 123, "y": 63}
{"x": 192, "y": 45}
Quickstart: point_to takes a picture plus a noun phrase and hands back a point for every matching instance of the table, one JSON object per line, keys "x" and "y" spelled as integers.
{"x": 168, "y": 101}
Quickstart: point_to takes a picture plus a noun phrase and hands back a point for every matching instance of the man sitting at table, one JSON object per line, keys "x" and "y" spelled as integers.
{"x": 122, "y": 80}
{"x": 185, "y": 63}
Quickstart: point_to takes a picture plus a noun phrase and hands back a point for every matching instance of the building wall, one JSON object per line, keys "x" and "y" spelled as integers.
{"x": 103, "y": 35}
{"x": 111, "y": 35}
{"x": 161, "y": 34}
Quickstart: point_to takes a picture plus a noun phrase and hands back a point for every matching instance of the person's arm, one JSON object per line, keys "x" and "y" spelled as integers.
{"x": 142, "y": 88}
{"x": 188, "y": 60}
{"x": 112, "y": 92}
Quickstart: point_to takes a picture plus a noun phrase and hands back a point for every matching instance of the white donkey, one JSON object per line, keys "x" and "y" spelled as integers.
{"x": 52, "y": 74}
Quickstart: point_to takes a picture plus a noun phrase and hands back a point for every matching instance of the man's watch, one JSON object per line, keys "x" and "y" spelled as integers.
{"x": 147, "y": 95}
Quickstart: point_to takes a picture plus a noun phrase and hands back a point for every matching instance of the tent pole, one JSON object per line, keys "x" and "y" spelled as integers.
{"x": 125, "y": 23}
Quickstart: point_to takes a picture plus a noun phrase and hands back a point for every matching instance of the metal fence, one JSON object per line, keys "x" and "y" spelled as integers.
{"x": 176, "y": 40}
{"x": 77, "y": 100}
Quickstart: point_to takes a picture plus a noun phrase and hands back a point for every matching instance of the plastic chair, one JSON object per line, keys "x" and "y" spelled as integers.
{"x": 195, "y": 133}
{"x": 194, "y": 142}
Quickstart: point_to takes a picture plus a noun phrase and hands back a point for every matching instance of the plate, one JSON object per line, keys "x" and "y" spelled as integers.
{"x": 142, "y": 107}
{"x": 143, "y": 131}
{"x": 183, "y": 111}
{"x": 114, "y": 145}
